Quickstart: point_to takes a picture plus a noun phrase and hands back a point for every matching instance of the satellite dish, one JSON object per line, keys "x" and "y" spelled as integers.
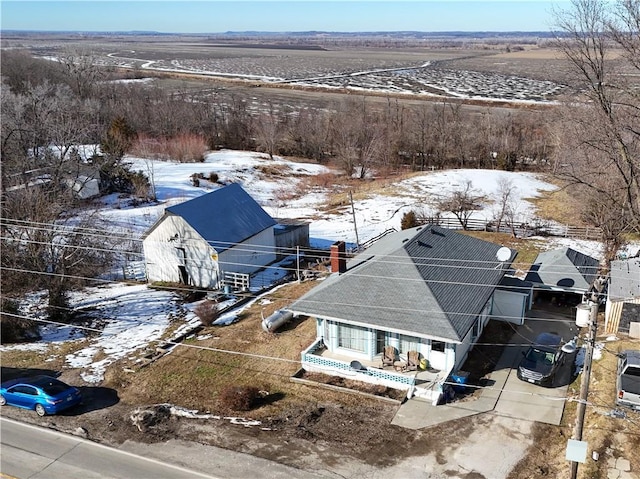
{"x": 503, "y": 254}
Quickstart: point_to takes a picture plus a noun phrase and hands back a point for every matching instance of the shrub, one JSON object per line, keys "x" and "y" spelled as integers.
{"x": 207, "y": 311}
{"x": 15, "y": 329}
{"x": 185, "y": 148}
{"x": 239, "y": 398}
{"x": 409, "y": 220}
{"x": 213, "y": 177}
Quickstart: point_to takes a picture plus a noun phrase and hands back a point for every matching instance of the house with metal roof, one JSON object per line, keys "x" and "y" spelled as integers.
{"x": 206, "y": 241}
{"x": 426, "y": 289}
{"x": 622, "y": 309}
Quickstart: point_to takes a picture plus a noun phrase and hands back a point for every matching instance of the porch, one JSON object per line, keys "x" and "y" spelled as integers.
{"x": 426, "y": 384}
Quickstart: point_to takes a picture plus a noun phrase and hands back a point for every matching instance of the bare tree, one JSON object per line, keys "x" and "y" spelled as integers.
{"x": 82, "y": 71}
{"x": 269, "y": 131}
{"x": 43, "y": 247}
{"x": 504, "y": 204}
{"x": 600, "y": 140}
{"x": 462, "y": 202}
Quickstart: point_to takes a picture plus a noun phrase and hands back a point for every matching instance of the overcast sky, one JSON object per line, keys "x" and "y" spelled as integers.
{"x": 207, "y": 16}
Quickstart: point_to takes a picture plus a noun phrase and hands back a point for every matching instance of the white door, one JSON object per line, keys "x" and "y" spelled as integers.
{"x": 509, "y": 306}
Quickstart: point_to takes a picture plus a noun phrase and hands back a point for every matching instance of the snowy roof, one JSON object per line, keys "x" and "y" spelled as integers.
{"x": 624, "y": 280}
{"x": 564, "y": 269}
{"x": 427, "y": 281}
{"x": 224, "y": 217}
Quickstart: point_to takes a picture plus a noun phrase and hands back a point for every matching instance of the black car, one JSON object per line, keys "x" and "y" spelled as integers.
{"x": 542, "y": 360}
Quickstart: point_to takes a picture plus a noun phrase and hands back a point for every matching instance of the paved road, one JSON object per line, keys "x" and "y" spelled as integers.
{"x": 38, "y": 453}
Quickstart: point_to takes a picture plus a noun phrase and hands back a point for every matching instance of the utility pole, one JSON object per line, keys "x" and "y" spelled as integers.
{"x": 584, "y": 384}
{"x": 355, "y": 226}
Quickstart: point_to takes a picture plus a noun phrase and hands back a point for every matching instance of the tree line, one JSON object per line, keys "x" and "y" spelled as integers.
{"x": 50, "y": 109}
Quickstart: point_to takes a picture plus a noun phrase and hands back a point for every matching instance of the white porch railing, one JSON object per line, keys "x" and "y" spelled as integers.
{"x": 316, "y": 363}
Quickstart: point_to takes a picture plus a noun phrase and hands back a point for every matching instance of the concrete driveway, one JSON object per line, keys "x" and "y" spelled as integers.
{"x": 521, "y": 400}
{"x": 505, "y": 394}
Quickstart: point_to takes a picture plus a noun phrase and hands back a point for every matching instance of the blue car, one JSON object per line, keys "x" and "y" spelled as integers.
{"x": 43, "y": 394}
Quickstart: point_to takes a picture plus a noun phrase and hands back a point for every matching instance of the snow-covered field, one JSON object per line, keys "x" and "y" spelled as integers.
{"x": 382, "y": 75}
{"x": 127, "y": 318}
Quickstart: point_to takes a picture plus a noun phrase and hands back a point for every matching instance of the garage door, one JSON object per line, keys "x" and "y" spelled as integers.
{"x": 509, "y": 306}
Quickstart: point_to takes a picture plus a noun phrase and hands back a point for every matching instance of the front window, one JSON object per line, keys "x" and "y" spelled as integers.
{"x": 409, "y": 343}
{"x": 541, "y": 357}
{"x": 437, "y": 346}
{"x": 352, "y": 337}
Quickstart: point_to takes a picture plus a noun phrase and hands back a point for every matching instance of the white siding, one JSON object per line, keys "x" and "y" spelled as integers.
{"x": 462, "y": 350}
{"x": 163, "y": 254}
{"x": 509, "y": 306}
{"x": 173, "y": 245}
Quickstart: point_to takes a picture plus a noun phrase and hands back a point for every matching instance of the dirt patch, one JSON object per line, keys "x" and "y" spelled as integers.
{"x": 349, "y": 385}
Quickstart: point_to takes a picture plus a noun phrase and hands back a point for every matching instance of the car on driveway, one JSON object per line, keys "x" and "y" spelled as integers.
{"x": 43, "y": 394}
{"x": 542, "y": 360}
{"x": 628, "y": 379}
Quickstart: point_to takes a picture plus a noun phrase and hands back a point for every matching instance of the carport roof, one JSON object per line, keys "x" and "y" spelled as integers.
{"x": 564, "y": 269}
{"x": 624, "y": 281}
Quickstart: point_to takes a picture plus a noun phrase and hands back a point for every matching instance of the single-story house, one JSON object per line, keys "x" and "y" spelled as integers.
{"x": 622, "y": 309}
{"x": 426, "y": 289}
{"x": 565, "y": 271}
{"x": 201, "y": 241}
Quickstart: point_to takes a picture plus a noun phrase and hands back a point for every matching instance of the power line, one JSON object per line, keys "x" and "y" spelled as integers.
{"x": 300, "y": 362}
{"x": 251, "y": 248}
{"x": 290, "y": 299}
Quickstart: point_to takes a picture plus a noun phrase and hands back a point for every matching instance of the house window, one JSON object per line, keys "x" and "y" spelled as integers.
{"x": 352, "y": 337}
{"x": 437, "y": 346}
{"x": 408, "y": 343}
{"x": 381, "y": 341}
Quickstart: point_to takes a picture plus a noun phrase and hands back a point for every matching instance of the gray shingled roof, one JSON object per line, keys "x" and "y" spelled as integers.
{"x": 624, "y": 279}
{"x": 224, "y": 217}
{"x": 564, "y": 268}
{"x": 427, "y": 280}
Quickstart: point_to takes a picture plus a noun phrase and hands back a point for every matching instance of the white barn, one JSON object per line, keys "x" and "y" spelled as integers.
{"x": 198, "y": 241}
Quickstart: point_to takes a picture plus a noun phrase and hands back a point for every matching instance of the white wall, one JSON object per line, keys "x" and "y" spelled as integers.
{"x": 203, "y": 265}
{"x": 509, "y": 306}
{"x": 162, "y": 256}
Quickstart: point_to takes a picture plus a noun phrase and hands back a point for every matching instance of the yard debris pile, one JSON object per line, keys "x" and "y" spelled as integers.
{"x": 145, "y": 418}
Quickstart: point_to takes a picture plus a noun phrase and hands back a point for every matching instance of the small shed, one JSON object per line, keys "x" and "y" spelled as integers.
{"x": 290, "y": 234}
{"x": 622, "y": 310}
{"x": 511, "y": 300}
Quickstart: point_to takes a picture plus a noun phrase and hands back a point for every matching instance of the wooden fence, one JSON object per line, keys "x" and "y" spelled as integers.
{"x": 522, "y": 229}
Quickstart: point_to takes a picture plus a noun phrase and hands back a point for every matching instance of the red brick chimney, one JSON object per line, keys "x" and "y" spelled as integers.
{"x": 338, "y": 257}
